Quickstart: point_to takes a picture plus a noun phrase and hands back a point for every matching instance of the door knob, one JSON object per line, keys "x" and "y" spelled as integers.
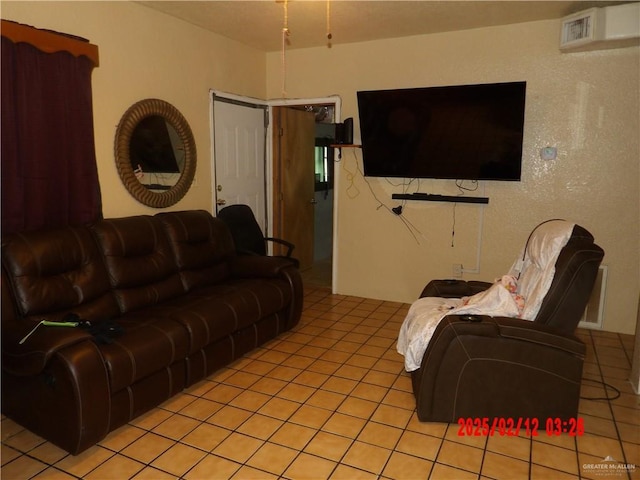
{"x": 313, "y": 201}
{"x": 221, "y": 202}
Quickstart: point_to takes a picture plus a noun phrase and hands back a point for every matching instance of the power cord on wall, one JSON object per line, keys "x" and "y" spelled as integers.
{"x": 397, "y": 211}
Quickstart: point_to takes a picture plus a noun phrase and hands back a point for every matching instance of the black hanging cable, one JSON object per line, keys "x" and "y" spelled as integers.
{"x": 606, "y": 387}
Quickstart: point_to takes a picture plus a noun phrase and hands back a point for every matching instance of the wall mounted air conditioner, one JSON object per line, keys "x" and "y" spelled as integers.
{"x": 601, "y": 28}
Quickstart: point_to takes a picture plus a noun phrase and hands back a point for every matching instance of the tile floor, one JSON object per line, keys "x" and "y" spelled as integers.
{"x": 331, "y": 400}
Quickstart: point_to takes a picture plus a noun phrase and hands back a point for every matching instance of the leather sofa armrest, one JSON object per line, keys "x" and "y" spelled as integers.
{"x": 244, "y": 266}
{"x": 30, "y": 357}
{"x": 453, "y": 288}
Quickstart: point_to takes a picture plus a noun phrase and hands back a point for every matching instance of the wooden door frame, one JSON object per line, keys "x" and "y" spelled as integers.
{"x": 271, "y": 155}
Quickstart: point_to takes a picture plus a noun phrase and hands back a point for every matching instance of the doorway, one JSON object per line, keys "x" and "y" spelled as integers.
{"x": 320, "y": 270}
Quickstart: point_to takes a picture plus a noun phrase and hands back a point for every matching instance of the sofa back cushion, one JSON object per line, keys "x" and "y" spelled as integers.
{"x": 58, "y": 271}
{"x": 139, "y": 261}
{"x": 202, "y": 246}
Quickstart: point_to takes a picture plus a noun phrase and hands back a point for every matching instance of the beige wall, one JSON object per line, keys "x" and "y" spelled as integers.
{"x": 146, "y": 54}
{"x": 585, "y": 104}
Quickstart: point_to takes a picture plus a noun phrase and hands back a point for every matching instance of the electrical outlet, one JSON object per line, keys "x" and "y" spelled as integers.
{"x": 457, "y": 270}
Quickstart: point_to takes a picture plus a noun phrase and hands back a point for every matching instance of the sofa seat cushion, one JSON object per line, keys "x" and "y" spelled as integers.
{"x": 211, "y": 313}
{"x": 149, "y": 343}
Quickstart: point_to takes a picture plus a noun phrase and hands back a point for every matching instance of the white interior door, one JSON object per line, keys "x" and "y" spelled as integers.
{"x": 239, "y": 132}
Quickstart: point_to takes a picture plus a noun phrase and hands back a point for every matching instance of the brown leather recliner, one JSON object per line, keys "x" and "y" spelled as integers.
{"x": 499, "y": 368}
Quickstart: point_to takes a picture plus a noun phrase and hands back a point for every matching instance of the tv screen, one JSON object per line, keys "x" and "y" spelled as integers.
{"x": 467, "y": 132}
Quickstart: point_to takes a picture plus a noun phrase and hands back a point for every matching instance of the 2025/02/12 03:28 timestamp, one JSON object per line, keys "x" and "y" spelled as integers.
{"x": 513, "y": 427}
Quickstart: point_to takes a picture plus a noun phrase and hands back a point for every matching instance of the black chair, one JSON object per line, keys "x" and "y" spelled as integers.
{"x": 247, "y": 235}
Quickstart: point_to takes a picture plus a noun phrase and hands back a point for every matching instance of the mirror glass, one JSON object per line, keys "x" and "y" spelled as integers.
{"x": 155, "y": 153}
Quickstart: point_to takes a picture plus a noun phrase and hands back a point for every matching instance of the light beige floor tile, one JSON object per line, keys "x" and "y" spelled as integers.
{"x": 309, "y": 467}
{"x": 515, "y": 447}
{"x": 557, "y": 458}
{"x": 401, "y": 466}
{"x": 260, "y": 426}
{"x": 367, "y": 457}
{"x": 250, "y": 473}
{"x": 229, "y": 417}
{"x": 7, "y": 454}
{"x": 116, "y": 468}
{"x": 345, "y": 472}
{"x": 599, "y": 446}
{"x": 206, "y": 437}
{"x": 325, "y": 399}
{"x": 460, "y": 456}
{"x": 150, "y": 473}
{"x": 179, "y": 459}
{"x": 272, "y": 458}
{"x": 148, "y": 448}
{"x": 279, "y": 408}
{"x": 250, "y": 400}
{"x": 390, "y": 415}
{"x": 502, "y": 467}
{"x": 22, "y": 468}
{"x": 419, "y": 445}
{"x": 50, "y": 454}
{"x": 328, "y": 445}
{"x": 201, "y": 409}
{"x": 345, "y": 425}
{"x": 80, "y": 465}
{"x": 238, "y": 447}
{"x": 357, "y": 407}
{"x": 213, "y": 467}
{"x": 268, "y": 386}
{"x": 293, "y": 436}
{"x": 223, "y": 393}
{"x": 309, "y": 416}
{"x": 380, "y": 435}
{"x": 445, "y": 472}
{"x": 176, "y": 427}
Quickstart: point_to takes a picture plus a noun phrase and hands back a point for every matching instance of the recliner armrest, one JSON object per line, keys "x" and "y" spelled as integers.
{"x": 498, "y": 367}
{"x": 453, "y": 288}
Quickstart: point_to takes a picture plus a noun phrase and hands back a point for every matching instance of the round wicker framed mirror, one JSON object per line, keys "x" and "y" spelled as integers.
{"x": 155, "y": 153}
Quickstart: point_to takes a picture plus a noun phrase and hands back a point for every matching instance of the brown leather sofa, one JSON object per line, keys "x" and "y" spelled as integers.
{"x": 507, "y": 370}
{"x": 184, "y": 304}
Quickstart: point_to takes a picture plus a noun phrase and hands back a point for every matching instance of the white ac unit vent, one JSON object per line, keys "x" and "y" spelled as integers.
{"x": 601, "y": 28}
{"x": 594, "y": 313}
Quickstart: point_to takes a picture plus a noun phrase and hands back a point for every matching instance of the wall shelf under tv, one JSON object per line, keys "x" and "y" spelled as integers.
{"x": 428, "y": 197}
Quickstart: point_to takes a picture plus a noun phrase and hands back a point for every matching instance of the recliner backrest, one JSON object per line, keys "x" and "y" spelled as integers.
{"x": 576, "y": 270}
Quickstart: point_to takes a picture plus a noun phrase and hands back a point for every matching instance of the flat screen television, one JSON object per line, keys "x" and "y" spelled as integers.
{"x": 466, "y": 132}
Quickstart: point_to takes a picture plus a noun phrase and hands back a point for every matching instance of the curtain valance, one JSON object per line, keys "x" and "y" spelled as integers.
{"x": 49, "y": 41}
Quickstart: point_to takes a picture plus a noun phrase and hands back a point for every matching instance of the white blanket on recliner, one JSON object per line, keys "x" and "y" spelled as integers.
{"x": 518, "y": 294}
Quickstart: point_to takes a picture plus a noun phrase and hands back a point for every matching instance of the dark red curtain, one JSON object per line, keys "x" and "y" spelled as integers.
{"x": 49, "y": 172}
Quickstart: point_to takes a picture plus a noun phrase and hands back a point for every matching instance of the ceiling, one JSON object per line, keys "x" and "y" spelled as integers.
{"x": 259, "y": 23}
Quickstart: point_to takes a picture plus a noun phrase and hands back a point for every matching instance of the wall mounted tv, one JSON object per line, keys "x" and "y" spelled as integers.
{"x": 466, "y": 132}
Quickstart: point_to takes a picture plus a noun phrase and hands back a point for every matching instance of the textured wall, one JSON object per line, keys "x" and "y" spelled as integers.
{"x": 585, "y": 104}
{"x": 147, "y": 54}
